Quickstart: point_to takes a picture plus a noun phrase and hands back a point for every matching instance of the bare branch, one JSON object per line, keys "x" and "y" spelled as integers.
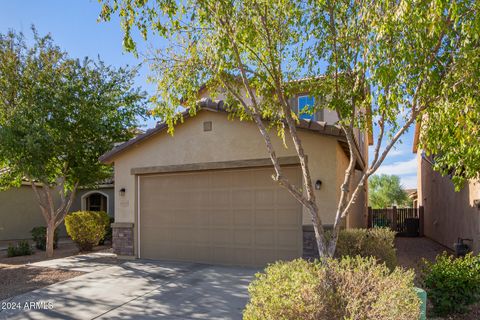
{"x": 59, "y": 218}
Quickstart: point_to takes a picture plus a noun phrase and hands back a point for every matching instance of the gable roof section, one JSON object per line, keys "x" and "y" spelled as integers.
{"x": 320, "y": 127}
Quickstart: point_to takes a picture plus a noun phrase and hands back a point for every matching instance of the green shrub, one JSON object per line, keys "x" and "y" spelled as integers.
{"x": 23, "y": 248}
{"x": 87, "y": 228}
{"x": 376, "y": 242}
{"x": 350, "y": 288}
{"x": 452, "y": 283}
{"x": 39, "y": 236}
{"x": 108, "y": 232}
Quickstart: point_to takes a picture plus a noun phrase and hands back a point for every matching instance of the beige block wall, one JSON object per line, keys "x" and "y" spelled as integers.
{"x": 228, "y": 141}
{"x": 20, "y": 212}
{"x": 448, "y": 214}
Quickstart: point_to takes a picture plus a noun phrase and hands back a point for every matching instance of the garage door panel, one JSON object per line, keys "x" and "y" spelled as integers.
{"x": 241, "y": 178}
{"x": 243, "y": 217}
{"x": 242, "y": 237}
{"x": 265, "y": 238}
{"x": 286, "y": 217}
{"x": 263, "y": 178}
{"x": 202, "y": 218}
{"x": 221, "y": 180}
{"x": 182, "y": 234}
{"x": 243, "y": 256}
{"x": 162, "y": 235}
{"x": 224, "y": 217}
{"x": 242, "y": 198}
{"x": 158, "y": 218}
{"x": 220, "y": 198}
{"x": 264, "y": 198}
{"x": 287, "y": 254}
{"x": 221, "y": 254}
{"x": 287, "y": 238}
{"x": 184, "y": 217}
{"x": 202, "y": 254}
{"x": 221, "y": 237}
{"x": 264, "y": 256}
{"x": 265, "y": 217}
{"x": 220, "y": 218}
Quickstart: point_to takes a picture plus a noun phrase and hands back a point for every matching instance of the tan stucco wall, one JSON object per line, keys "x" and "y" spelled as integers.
{"x": 356, "y": 216}
{"x": 228, "y": 141}
{"x": 20, "y": 212}
{"x": 448, "y": 214}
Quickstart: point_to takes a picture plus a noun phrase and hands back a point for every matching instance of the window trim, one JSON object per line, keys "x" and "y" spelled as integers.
{"x": 89, "y": 193}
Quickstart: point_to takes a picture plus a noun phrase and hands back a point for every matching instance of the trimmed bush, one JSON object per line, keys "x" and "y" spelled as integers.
{"x": 39, "y": 236}
{"x": 452, "y": 283}
{"x": 350, "y": 288}
{"x": 108, "y": 232}
{"x": 23, "y": 248}
{"x": 87, "y": 228}
{"x": 376, "y": 242}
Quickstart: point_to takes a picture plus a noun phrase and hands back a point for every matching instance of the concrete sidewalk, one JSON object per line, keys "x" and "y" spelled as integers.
{"x": 142, "y": 290}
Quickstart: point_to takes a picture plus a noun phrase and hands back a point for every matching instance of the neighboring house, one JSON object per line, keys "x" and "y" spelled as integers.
{"x": 412, "y": 195}
{"x": 206, "y": 194}
{"x": 20, "y": 212}
{"x": 449, "y": 215}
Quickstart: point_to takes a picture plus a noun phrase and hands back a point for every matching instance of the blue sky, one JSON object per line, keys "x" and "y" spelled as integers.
{"x": 74, "y": 27}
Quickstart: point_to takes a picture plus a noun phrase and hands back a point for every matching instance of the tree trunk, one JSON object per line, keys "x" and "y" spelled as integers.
{"x": 50, "y": 238}
{"x": 53, "y": 216}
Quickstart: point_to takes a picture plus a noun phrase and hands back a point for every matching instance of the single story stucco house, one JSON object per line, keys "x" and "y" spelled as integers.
{"x": 20, "y": 212}
{"x": 206, "y": 194}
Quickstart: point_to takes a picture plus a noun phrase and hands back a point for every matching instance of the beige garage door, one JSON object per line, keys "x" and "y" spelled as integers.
{"x": 237, "y": 217}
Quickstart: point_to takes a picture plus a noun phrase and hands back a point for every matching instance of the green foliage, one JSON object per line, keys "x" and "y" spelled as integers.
{"x": 23, "y": 248}
{"x": 376, "y": 64}
{"x": 397, "y": 56}
{"x": 39, "y": 236}
{"x": 452, "y": 283}
{"x": 108, "y": 232}
{"x": 87, "y": 228}
{"x": 377, "y": 242}
{"x": 59, "y": 115}
{"x": 386, "y": 191}
{"x": 352, "y": 288}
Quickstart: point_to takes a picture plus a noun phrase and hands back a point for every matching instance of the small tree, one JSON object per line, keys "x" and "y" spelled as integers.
{"x": 57, "y": 116}
{"x": 385, "y": 190}
{"x": 385, "y": 62}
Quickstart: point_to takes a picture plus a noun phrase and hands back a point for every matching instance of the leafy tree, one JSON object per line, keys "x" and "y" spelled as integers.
{"x": 385, "y": 62}
{"x": 57, "y": 116}
{"x": 457, "y": 125}
{"x": 386, "y": 191}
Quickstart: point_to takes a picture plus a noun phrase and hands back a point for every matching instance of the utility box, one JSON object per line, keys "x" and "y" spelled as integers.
{"x": 422, "y": 295}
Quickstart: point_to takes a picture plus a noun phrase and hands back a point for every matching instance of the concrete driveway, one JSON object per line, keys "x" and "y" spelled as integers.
{"x": 139, "y": 289}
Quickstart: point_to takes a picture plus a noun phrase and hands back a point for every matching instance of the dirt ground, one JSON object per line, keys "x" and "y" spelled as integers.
{"x": 17, "y": 276}
{"x": 410, "y": 252}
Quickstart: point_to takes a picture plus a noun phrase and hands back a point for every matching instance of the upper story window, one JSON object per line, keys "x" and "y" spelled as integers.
{"x": 305, "y": 103}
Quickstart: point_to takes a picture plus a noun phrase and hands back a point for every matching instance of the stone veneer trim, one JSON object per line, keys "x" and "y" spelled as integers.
{"x": 123, "y": 239}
